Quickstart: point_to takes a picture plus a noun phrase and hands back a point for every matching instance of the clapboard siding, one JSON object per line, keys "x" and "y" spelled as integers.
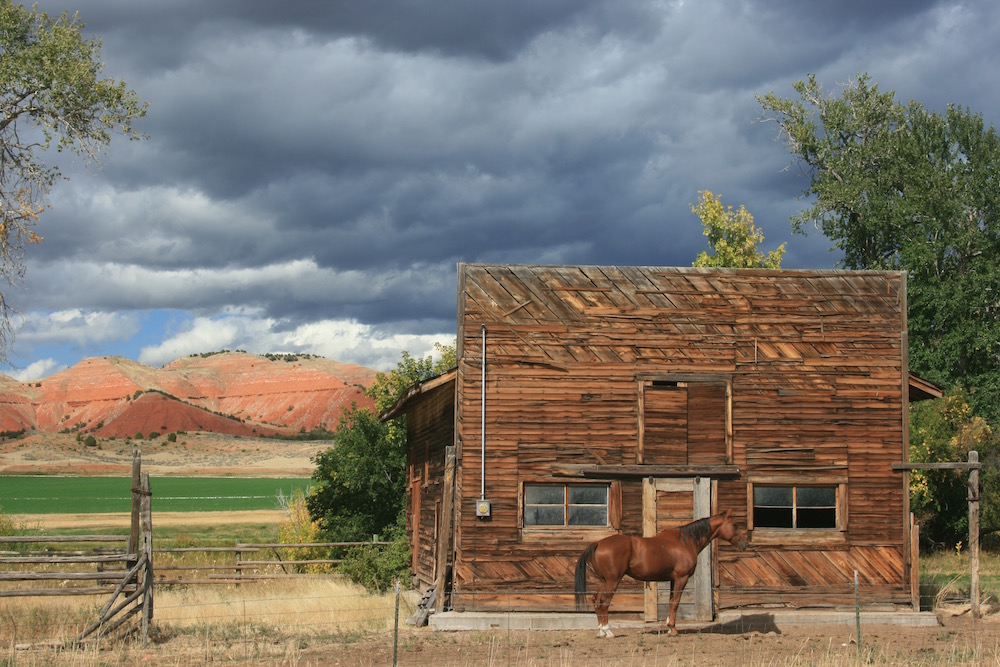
{"x": 785, "y": 375}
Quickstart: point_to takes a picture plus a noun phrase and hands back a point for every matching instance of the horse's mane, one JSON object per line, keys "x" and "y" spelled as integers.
{"x": 696, "y": 530}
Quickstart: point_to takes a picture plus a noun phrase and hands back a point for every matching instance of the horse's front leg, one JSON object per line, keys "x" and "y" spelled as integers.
{"x": 676, "y": 588}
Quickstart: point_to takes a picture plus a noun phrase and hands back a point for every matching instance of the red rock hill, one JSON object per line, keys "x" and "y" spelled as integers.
{"x": 227, "y": 392}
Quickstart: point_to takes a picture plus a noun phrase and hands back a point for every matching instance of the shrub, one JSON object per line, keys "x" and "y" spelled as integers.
{"x": 171, "y": 437}
{"x": 298, "y": 528}
{"x": 90, "y": 441}
{"x": 10, "y": 527}
{"x": 378, "y": 567}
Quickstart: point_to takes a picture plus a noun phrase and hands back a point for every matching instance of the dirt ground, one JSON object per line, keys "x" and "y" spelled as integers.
{"x": 959, "y": 640}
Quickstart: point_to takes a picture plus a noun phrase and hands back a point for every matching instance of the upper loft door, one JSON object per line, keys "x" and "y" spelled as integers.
{"x": 685, "y": 421}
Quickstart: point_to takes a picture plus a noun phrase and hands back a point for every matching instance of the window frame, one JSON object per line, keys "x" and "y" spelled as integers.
{"x": 647, "y": 381}
{"x": 784, "y": 535}
{"x": 565, "y": 533}
{"x": 566, "y": 505}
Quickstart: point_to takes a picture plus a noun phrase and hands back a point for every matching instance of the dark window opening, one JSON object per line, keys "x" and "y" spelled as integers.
{"x": 801, "y": 507}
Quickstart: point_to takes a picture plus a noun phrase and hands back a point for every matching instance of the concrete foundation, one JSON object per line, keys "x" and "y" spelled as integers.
{"x": 727, "y": 622}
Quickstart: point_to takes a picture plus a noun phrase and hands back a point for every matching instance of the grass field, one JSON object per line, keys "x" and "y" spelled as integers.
{"x": 945, "y": 576}
{"x": 30, "y": 494}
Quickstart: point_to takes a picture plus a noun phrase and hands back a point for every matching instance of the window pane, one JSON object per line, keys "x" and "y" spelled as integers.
{"x": 816, "y": 518}
{"x": 588, "y": 515}
{"x": 588, "y": 495}
{"x": 772, "y": 496}
{"x": 772, "y": 517}
{"x": 537, "y": 494}
{"x": 816, "y": 496}
{"x": 544, "y": 515}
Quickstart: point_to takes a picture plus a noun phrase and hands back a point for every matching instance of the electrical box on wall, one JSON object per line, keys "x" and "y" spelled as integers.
{"x": 483, "y": 509}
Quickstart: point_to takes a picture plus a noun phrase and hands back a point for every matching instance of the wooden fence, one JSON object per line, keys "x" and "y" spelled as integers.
{"x": 121, "y": 568}
{"x": 248, "y": 562}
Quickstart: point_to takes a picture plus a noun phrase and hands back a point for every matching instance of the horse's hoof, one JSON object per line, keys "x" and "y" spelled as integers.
{"x": 671, "y": 630}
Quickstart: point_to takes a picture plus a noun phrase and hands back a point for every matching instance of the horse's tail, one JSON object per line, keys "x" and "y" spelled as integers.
{"x": 581, "y": 576}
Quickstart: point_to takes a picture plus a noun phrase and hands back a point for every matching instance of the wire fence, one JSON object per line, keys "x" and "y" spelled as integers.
{"x": 281, "y": 621}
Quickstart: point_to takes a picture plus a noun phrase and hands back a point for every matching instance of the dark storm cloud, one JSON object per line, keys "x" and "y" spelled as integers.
{"x": 456, "y": 28}
{"x": 322, "y": 160}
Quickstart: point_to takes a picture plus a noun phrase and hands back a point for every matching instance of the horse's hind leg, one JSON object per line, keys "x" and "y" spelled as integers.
{"x": 602, "y": 601}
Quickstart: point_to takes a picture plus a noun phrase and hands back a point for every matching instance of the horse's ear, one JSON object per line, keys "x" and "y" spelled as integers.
{"x": 729, "y": 513}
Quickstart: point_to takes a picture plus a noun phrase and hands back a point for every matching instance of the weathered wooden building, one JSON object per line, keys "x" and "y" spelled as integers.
{"x": 594, "y": 399}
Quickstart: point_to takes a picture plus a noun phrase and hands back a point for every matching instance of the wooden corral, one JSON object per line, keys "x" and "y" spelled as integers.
{"x": 71, "y": 565}
{"x": 590, "y": 400}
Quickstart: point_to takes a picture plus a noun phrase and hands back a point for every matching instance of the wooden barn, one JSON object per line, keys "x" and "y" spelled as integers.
{"x": 589, "y": 400}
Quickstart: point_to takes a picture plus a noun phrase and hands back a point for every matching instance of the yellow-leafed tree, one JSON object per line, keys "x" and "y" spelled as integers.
{"x": 733, "y": 237}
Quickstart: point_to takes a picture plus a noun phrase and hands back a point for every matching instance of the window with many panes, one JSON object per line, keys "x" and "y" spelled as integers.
{"x": 552, "y": 505}
{"x": 795, "y": 506}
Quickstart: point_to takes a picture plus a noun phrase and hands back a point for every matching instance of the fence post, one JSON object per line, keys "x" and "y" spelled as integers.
{"x": 134, "y": 538}
{"x": 147, "y": 551}
{"x": 857, "y": 609}
{"x": 914, "y": 563}
{"x": 395, "y": 628}
{"x": 974, "y": 533}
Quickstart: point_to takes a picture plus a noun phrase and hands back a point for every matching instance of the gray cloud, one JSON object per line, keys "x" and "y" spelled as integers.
{"x": 334, "y": 160}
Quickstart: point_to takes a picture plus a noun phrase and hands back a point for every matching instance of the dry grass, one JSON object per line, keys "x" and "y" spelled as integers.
{"x": 310, "y": 623}
{"x": 263, "y": 621}
{"x": 314, "y": 621}
{"x": 296, "y": 606}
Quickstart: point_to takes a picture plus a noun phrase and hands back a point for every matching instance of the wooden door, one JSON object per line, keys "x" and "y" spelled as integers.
{"x": 684, "y": 423}
{"x": 674, "y": 502}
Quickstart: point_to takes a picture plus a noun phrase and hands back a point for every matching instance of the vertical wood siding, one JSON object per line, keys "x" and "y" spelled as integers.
{"x": 429, "y": 431}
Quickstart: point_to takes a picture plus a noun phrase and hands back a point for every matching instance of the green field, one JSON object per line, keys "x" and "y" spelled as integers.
{"x": 30, "y": 494}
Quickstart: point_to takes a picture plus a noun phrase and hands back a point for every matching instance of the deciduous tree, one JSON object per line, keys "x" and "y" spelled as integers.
{"x": 51, "y": 95}
{"x": 359, "y": 482}
{"x": 897, "y": 186}
{"x": 733, "y": 237}
{"x": 947, "y": 430}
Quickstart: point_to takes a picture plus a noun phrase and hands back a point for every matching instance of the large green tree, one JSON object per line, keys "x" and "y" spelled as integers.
{"x": 733, "y": 236}
{"x": 897, "y": 186}
{"x": 359, "y": 482}
{"x": 51, "y": 95}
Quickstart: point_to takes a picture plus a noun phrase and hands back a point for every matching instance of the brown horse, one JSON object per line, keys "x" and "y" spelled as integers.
{"x": 668, "y": 556}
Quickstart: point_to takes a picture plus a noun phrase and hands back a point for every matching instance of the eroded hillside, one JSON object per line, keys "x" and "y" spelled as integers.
{"x": 230, "y": 392}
